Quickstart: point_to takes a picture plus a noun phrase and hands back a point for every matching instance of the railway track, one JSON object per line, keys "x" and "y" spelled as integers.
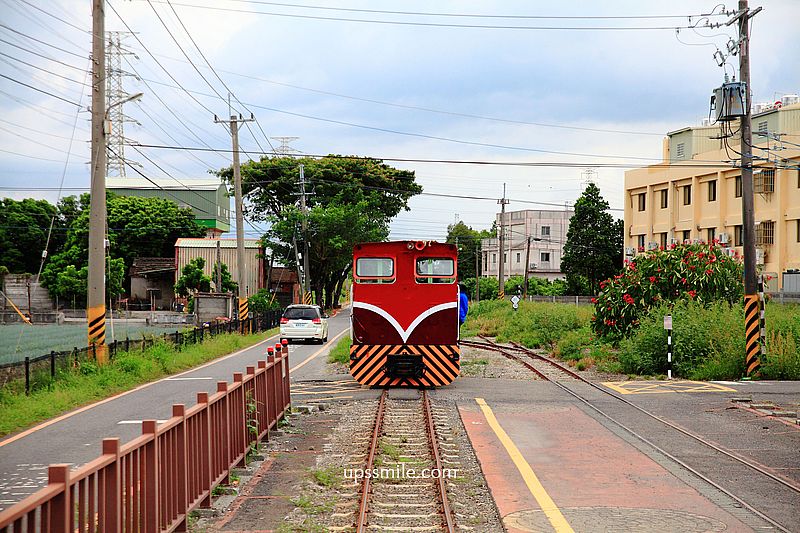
{"x": 550, "y": 370}
{"x": 403, "y": 447}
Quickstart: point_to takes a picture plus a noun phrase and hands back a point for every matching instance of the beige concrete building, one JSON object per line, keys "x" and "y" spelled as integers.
{"x": 698, "y": 196}
{"x": 548, "y": 232}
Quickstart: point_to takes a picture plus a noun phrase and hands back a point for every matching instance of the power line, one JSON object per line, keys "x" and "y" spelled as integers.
{"x": 428, "y": 109}
{"x": 436, "y": 24}
{"x": 40, "y": 90}
{"x": 8, "y": 28}
{"x": 478, "y": 15}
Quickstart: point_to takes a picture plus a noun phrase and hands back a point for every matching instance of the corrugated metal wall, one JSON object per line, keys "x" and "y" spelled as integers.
{"x": 253, "y": 264}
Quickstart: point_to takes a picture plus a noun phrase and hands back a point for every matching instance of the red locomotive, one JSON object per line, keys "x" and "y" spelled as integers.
{"x": 404, "y": 314}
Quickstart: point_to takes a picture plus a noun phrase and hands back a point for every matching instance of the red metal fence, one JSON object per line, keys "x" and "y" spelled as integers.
{"x": 152, "y": 483}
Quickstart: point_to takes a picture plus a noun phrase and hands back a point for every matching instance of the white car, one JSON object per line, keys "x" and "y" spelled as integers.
{"x": 300, "y": 322}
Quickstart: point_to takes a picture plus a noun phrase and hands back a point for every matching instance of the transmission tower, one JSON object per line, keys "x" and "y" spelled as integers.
{"x": 115, "y": 163}
{"x": 284, "y": 149}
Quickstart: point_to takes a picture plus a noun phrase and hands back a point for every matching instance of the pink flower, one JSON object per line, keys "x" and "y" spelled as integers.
{"x": 692, "y": 294}
{"x": 683, "y": 280}
{"x": 652, "y": 279}
{"x": 594, "y": 300}
{"x": 628, "y": 299}
{"x": 709, "y": 271}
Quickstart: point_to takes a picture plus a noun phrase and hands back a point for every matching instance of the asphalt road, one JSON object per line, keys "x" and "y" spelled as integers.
{"x": 75, "y": 438}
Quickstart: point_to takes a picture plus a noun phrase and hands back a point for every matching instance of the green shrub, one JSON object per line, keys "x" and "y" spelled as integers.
{"x": 782, "y": 359}
{"x": 696, "y": 272}
{"x": 708, "y": 342}
{"x": 574, "y": 344}
{"x": 341, "y": 352}
{"x": 262, "y": 301}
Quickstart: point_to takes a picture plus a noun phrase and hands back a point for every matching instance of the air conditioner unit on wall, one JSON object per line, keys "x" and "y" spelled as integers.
{"x": 630, "y": 251}
{"x": 724, "y": 238}
{"x": 652, "y": 246}
{"x": 674, "y": 241}
{"x": 761, "y": 256}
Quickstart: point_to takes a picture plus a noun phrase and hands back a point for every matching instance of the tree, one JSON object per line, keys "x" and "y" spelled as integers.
{"x": 468, "y": 241}
{"x": 192, "y": 278}
{"x": 594, "y": 241}
{"x": 137, "y": 227}
{"x": 226, "y": 280}
{"x": 353, "y": 200}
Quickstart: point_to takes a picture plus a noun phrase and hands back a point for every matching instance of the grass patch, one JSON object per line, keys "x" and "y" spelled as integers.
{"x": 390, "y": 450}
{"x": 327, "y": 477}
{"x": 341, "y": 352}
{"x": 89, "y": 382}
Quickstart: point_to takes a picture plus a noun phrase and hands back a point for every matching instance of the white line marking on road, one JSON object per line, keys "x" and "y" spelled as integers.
{"x": 138, "y": 421}
{"x": 186, "y": 379}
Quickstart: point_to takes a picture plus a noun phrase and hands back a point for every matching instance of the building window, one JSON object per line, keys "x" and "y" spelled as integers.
{"x": 642, "y": 199}
{"x": 485, "y": 262}
{"x": 712, "y": 191}
{"x": 545, "y": 231}
{"x": 518, "y": 254}
{"x": 494, "y": 259}
{"x": 712, "y": 234}
{"x": 640, "y": 242}
{"x": 798, "y": 230}
{"x": 664, "y": 196}
{"x": 680, "y": 151}
{"x": 738, "y": 187}
{"x": 738, "y": 239}
{"x": 687, "y": 195}
{"x": 663, "y": 240}
{"x": 764, "y": 181}
{"x": 544, "y": 257}
{"x": 763, "y": 127}
{"x": 765, "y": 233}
{"x": 687, "y": 235}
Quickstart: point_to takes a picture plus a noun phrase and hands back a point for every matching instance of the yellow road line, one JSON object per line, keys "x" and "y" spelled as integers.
{"x": 315, "y": 354}
{"x": 665, "y": 387}
{"x": 544, "y": 500}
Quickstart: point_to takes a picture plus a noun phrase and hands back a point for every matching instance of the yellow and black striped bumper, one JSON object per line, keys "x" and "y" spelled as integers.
{"x": 378, "y": 364}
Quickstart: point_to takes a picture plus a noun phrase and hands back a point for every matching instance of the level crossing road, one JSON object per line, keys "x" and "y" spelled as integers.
{"x": 76, "y": 437}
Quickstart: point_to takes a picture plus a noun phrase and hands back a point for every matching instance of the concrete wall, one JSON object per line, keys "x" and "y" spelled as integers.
{"x": 208, "y": 307}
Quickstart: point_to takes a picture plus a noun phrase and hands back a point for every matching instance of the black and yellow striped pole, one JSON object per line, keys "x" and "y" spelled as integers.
{"x": 307, "y": 298}
{"x": 96, "y": 317}
{"x": 244, "y": 315}
{"x": 752, "y": 321}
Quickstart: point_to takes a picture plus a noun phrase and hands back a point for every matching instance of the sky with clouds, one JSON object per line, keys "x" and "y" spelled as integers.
{"x": 550, "y": 89}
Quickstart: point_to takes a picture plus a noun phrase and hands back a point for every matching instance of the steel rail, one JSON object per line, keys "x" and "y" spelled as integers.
{"x": 530, "y": 353}
{"x": 361, "y": 519}
{"x": 447, "y": 515}
{"x": 698, "y": 438}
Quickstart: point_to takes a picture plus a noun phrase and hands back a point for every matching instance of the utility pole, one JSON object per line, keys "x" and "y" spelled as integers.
{"x": 306, "y": 261}
{"x": 527, "y": 266}
{"x": 478, "y": 272}
{"x": 96, "y": 289}
{"x": 234, "y": 124}
{"x": 500, "y": 276}
{"x": 218, "y": 281}
{"x": 751, "y": 299}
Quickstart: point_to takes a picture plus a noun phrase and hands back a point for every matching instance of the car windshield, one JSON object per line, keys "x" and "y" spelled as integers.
{"x": 301, "y": 313}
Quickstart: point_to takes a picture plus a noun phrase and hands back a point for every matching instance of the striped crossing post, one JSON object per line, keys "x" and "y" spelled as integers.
{"x": 307, "y": 298}
{"x": 762, "y": 317}
{"x": 96, "y": 317}
{"x": 752, "y": 334}
{"x": 244, "y": 314}
{"x": 668, "y": 327}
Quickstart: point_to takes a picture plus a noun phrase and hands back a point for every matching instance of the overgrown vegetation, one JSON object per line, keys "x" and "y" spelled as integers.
{"x": 341, "y": 352}
{"x": 708, "y": 338}
{"x": 89, "y": 382}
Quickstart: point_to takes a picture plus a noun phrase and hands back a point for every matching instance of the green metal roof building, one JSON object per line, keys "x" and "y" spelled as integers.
{"x": 207, "y": 198}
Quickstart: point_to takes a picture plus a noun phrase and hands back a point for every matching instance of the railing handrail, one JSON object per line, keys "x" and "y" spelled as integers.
{"x": 162, "y": 508}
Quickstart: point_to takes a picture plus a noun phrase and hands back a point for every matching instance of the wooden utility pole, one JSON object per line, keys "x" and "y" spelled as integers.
{"x": 501, "y": 274}
{"x": 96, "y": 289}
{"x": 751, "y": 299}
{"x": 243, "y": 288}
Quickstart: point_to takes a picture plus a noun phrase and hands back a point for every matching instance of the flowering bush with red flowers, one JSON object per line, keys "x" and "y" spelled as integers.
{"x": 699, "y": 272}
